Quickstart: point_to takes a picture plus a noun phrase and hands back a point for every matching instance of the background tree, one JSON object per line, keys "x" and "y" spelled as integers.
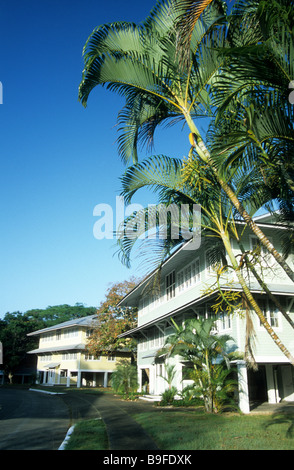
{"x": 15, "y": 326}
{"x": 114, "y": 320}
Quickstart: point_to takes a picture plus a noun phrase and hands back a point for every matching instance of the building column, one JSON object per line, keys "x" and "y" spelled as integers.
{"x": 105, "y": 379}
{"x": 68, "y": 378}
{"x": 44, "y": 376}
{"x": 79, "y": 379}
{"x": 243, "y": 387}
{"x": 272, "y": 392}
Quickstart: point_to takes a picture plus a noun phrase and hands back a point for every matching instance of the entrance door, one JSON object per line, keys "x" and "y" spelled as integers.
{"x": 145, "y": 380}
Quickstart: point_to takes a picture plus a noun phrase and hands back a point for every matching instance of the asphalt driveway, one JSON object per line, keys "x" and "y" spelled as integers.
{"x": 31, "y": 420}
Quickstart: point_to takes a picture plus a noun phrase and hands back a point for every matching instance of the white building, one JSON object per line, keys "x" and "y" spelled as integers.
{"x": 182, "y": 292}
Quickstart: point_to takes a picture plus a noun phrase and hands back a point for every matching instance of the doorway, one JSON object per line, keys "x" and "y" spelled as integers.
{"x": 257, "y": 386}
{"x": 145, "y": 380}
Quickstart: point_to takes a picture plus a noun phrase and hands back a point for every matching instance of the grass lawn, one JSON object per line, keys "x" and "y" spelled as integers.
{"x": 88, "y": 435}
{"x": 189, "y": 430}
{"x": 195, "y": 430}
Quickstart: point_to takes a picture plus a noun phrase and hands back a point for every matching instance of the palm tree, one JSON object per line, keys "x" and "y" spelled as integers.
{"x": 141, "y": 63}
{"x": 197, "y": 343}
{"x": 164, "y": 175}
{"x": 124, "y": 378}
{"x": 254, "y": 119}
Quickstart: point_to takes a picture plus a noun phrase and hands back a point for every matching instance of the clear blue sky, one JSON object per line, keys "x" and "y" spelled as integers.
{"x": 58, "y": 160}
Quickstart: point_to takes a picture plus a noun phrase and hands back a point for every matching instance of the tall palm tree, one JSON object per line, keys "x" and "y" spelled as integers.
{"x": 141, "y": 63}
{"x": 254, "y": 119}
{"x": 164, "y": 175}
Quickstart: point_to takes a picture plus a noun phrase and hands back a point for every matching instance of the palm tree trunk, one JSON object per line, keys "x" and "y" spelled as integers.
{"x": 204, "y": 154}
{"x": 256, "y": 230}
{"x": 252, "y": 301}
{"x": 266, "y": 289}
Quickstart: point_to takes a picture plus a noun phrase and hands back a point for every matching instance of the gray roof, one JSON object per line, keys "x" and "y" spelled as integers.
{"x": 84, "y": 321}
{"x": 68, "y": 347}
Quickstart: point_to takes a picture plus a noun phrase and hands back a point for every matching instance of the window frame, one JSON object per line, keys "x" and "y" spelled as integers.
{"x": 170, "y": 285}
{"x": 185, "y": 277}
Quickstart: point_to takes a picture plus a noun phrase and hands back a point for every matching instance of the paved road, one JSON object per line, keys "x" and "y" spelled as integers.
{"x": 36, "y": 421}
{"x": 31, "y": 420}
{"x": 124, "y": 433}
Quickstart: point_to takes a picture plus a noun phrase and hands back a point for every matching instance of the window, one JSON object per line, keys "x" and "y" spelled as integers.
{"x": 142, "y": 345}
{"x": 270, "y": 312}
{"x": 170, "y": 283}
{"x": 156, "y": 339}
{"x": 48, "y": 337}
{"x": 71, "y": 332}
{"x": 69, "y": 356}
{"x": 189, "y": 276}
{"x": 92, "y": 357}
{"x": 46, "y": 357}
{"x": 260, "y": 251}
{"x": 111, "y": 358}
{"x": 159, "y": 370}
{"x": 273, "y": 318}
{"x": 224, "y": 322}
{"x": 212, "y": 266}
{"x": 58, "y": 335}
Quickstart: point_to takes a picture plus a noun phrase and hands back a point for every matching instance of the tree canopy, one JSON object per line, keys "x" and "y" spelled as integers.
{"x": 15, "y": 326}
{"x": 114, "y": 320}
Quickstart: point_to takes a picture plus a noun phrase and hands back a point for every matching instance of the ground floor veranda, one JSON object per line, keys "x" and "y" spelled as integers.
{"x": 271, "y": 382}
{"x": 55, "y": 376}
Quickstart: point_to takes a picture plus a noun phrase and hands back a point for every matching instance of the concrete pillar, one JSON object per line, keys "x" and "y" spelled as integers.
{"x": 243, "y": 387}
{"x": 79, "y": 379}
{"x": 68, "y": 379}
{"x": 271, "y": 384}
{"x": 105, "y": 381}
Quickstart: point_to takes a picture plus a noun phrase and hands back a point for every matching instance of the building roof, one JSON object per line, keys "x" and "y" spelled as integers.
{"x": 68, "y": 347}
{"x": 84, "y": 321}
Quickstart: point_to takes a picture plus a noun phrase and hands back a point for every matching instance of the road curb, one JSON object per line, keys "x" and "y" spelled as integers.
{"x": 67, "y": 437}
{"x": 45, "y": 391}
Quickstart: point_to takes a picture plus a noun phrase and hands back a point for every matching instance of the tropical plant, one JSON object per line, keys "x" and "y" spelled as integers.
{"x": 197, "y": 344}
{"x": 164, "y": 175}
{"x": 141, "y": 63}
{"x": 254, "y": 120}
{"x": 124, "y": 378}
{"x": 170, "y": 374}
{"x": 168, "y": 396}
